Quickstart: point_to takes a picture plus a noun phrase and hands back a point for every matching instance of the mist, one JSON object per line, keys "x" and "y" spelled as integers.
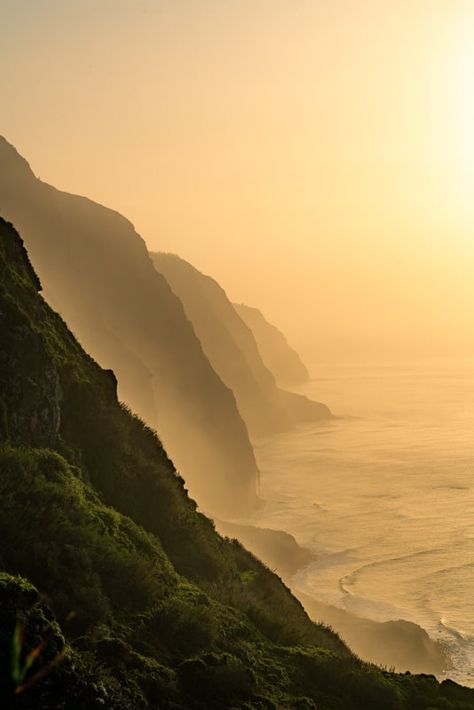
{"x": 236, "y": 308}
{"x": 316, "y": 159}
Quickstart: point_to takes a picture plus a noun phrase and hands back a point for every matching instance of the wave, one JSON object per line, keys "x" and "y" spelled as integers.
{"x": 461, "y": 636}
{"x": 460, "y": 647}
{"x": 451, "y": 487}
{"x": 459, "y": 644}
{"x": 353, "y": 576}
{"x": 450, "y": 569}
{"x": 373, "y": 609}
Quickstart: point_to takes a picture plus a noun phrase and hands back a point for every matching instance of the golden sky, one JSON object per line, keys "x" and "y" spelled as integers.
{"x": 316, "y": 156}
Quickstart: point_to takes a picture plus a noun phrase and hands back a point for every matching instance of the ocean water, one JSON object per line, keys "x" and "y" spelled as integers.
{"x": 385, "y": 495}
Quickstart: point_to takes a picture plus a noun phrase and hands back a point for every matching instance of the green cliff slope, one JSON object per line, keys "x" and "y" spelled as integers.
{"x": 114, "y": 591}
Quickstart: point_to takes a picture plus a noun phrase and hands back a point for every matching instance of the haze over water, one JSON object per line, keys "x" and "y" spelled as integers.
{"x": 317, "y": 159}
{"x": 385, "y": 495}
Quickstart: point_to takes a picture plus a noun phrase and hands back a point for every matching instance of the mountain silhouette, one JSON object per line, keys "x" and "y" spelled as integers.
{"x": 96, "y": 271}
{"x": 280, "y": 358}
{"x": 233, "y": 352}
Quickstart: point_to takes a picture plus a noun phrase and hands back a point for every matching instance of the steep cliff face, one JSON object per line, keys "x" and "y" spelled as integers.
{"x": 96, "y": 271}
{"x": 277, "y": 354}
{"x": 156, "y": 609}
{"x": 113, "y": 559}
{"x": 232, "y": 350}
{"x": 30, "y": 407}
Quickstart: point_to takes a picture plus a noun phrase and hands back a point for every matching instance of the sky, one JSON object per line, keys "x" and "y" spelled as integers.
{"x": 315, "y": 156}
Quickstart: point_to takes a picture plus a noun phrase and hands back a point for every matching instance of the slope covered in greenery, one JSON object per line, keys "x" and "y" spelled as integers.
{"x": 114, "y": 591}
{"x": 96, "y": 271}
{"x": 232, "y": 351}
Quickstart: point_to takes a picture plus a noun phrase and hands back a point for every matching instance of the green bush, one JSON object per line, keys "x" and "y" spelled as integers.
{"x": 88, "y": 559}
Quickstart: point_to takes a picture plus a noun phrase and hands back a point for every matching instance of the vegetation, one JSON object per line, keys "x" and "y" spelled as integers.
{"x": 115, "y": 592}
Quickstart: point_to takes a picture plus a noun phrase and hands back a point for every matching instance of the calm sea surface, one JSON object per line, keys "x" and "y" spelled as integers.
{"x": 386, "y": 493}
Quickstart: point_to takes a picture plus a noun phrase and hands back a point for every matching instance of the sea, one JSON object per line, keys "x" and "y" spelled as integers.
{"x": 384, "y": 495}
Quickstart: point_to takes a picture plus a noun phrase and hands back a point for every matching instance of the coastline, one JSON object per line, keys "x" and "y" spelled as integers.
{"x": 399, "y": 645}
{"x": 277, "y": 549}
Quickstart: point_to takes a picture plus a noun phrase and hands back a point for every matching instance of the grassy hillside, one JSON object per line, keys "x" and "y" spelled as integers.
{"x": 96, "y": 271}
{"x": 114, "y": 591}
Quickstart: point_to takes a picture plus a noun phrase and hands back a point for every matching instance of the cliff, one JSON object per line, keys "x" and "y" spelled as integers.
{"x": 96, "y": 271}
{"x": 114, "y": 591}
{"x": 280, "y": 358}
{"x": 232, "y": 351}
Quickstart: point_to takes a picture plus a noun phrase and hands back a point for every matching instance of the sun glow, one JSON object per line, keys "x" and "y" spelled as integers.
{"x": 335, "y": 136}
{"x": 461, "y": 104}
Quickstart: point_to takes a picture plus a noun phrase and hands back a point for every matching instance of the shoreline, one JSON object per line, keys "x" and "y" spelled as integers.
{"x": 277, "y": 549}
{"x": 399, "y": 644}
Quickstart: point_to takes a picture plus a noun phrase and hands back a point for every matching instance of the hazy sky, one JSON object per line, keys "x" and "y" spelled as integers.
{"x": 316, "y": 156}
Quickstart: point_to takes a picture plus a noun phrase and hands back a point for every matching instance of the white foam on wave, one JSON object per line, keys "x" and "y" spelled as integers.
{"x": 460, "y": 647}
